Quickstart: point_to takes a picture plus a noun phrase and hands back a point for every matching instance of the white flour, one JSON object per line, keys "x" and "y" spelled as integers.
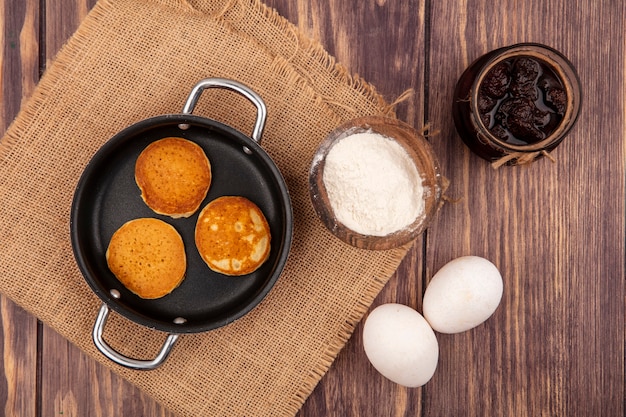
{"x": 373, "y": 186}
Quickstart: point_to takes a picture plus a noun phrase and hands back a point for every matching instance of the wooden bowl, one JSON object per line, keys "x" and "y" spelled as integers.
{"x": 420, "y": 152}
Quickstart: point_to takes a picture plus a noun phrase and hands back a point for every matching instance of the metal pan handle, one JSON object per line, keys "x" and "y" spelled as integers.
{"x": 245, "y": 91}
{"x": 120, "y": 359}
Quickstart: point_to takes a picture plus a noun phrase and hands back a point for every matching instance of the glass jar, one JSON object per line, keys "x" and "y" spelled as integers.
{"x": 515, "y": 104}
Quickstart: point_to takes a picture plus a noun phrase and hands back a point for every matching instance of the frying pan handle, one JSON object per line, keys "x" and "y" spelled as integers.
{"x": 245, "y": 91}
{"x": 120, "y": 359}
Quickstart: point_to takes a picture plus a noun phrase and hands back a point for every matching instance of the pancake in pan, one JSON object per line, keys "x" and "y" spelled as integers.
{"x": 232, "y": 235}
{"x": 148, "y": 257}
{"x": 174, "y": 176}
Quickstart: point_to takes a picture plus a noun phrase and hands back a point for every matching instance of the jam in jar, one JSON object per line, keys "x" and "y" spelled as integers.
{"x": 516, "y": 104}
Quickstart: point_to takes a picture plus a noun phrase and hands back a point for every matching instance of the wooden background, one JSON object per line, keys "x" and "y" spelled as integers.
{"x": 555, "y": 346}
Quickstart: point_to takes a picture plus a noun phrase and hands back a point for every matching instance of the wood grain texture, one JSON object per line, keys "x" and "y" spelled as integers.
{"x": 19, "y": 68}
{"x": 18, "y": 390}
{"x": 19, "y": 61}
{"x": 61, "y": 19}
{"x": 73, "y": 384}
{"x": 556, "y": 231}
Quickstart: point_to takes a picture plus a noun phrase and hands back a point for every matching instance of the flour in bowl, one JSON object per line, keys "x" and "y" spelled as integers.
{"x": 373, "y": 186}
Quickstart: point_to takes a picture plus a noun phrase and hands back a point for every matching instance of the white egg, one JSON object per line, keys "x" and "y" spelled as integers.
{"x": 400, "y": 344}
{"x": 463, "y": 294}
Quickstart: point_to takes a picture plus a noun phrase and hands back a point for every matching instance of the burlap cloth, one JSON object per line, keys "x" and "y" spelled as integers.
{"x": 132, "y": 59}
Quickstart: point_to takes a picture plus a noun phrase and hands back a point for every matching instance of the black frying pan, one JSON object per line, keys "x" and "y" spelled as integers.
{"x": 107, "y": 196}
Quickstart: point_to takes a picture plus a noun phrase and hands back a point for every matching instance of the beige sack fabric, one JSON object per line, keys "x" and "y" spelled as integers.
{"x": 133, "y": 59}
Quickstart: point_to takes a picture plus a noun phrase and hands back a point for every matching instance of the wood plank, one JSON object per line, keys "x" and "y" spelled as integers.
{"x": 19, "y": 68}
{"x": 555, "y": 230}
{"x": 19, "y": 60}
{"x": 74, "y": 384}
{"x": 18, "y": 387}
{"x": 62, "y": 17}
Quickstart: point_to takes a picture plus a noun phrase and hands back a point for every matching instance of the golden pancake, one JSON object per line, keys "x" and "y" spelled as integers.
{"x": 148, "y": 257}
{"x": 232, "y": 236}
{"x": 174, "y": 175}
